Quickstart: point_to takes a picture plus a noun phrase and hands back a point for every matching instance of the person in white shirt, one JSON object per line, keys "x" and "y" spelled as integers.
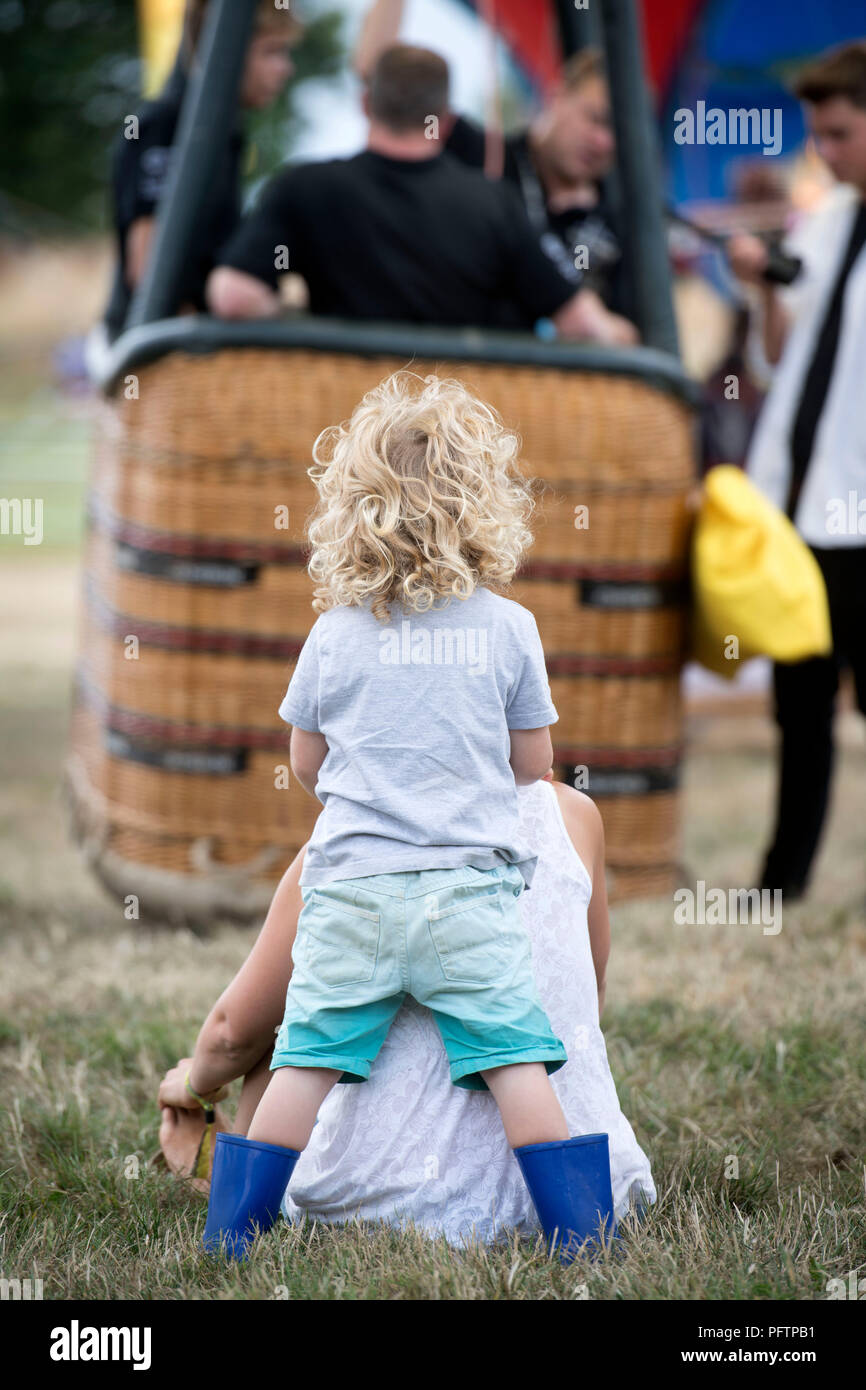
{"x": 808, "y": 453}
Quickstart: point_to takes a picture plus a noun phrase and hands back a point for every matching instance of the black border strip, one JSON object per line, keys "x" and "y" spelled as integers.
{"x": 659, "y": 765}
{"x": 132, "y": 533}
{"x": 139, "y": 726}
{"x": 217, "y": 641}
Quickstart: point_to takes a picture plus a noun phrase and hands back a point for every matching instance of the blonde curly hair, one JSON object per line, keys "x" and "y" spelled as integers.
{"x": 421, "y": 497}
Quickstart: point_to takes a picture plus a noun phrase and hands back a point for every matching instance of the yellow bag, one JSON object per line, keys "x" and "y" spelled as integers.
{"x": 757, "y": 588}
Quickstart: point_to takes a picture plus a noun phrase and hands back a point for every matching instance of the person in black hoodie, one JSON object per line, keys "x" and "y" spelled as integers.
{"x": 142, "y": 155}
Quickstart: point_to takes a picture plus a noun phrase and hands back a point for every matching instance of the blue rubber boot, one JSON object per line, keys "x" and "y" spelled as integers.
{"x": 569, "y": 1182}
{"x": 247, "y": 1183}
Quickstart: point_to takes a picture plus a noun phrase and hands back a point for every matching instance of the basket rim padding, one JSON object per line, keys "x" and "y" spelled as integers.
{"x": 201, "y": 334}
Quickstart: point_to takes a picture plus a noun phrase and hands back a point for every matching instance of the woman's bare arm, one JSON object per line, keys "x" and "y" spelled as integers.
{"x": 380, "y": 29}
{"x": 139, "y": 240}
{"x": 139, "y": 237}
{"x": 586, "y": 830}
{"x": 240, "y": 1027}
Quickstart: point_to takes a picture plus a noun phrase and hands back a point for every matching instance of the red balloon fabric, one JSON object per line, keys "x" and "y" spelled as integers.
{"x": 529, "y": 27}
{"x": 666, "y": 27}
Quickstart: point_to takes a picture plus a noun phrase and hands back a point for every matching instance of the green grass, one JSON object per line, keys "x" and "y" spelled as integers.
{"x": 44, "y": 453}
{"x": 756, "y": 1133}
{"x": 85, "y": 1213}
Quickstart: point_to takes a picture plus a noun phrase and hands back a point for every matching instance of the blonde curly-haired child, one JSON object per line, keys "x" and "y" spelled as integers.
{"x": 419, "y": 702}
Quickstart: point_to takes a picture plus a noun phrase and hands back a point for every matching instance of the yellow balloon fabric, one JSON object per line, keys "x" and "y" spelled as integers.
{"x": 160, "y": 24}
{"x": 757, "y": 588}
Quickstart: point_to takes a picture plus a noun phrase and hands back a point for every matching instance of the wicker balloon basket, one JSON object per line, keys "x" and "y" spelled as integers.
{"x": 196, "y": 603}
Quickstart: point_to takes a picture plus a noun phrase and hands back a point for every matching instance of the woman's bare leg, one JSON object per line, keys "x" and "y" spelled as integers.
{"x": 527, "y": 1102}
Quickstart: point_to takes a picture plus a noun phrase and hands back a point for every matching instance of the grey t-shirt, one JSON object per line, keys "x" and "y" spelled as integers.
{"x": 416, "y": 715}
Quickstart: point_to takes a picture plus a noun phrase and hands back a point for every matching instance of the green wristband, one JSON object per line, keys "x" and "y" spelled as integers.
{"x": 205, "y": 1104}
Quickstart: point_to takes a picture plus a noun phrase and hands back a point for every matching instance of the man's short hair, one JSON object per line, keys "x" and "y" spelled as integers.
{"x": 407, "y": 84}
{"x": 840, "y": 72}
{"x": 581, "y": 67}
{"x": 268, "y": 18}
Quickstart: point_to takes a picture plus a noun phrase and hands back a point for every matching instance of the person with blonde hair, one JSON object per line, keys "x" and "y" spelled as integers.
{"x": 418, "y": 704}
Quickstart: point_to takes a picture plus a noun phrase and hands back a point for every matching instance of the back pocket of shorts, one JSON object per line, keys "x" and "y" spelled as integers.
{"x": 337, "y": 941}
{"x": 470, "y": 932}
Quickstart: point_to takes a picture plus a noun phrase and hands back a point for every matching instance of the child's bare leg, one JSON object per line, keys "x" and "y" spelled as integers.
{"x": 527, "y": 1102}
{"x": 287, "y": 1111}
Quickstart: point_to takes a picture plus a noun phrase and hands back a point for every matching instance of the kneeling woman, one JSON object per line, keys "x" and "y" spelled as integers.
{"x": 407, "y": 1145}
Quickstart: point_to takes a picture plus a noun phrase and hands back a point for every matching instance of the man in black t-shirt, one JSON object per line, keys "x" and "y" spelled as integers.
{"x": 558, "y": 165}
{"x": 402, "y": 231}
{"x": 142, "y": 155}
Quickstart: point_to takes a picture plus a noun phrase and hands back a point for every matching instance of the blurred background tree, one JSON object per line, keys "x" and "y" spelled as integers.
{"x": 70, "y": 70}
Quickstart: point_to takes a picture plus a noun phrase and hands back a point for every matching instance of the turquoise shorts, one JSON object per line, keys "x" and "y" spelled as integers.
{"x": 452, "y": 938}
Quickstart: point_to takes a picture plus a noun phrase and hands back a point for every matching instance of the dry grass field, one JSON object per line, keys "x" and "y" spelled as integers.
{"x": 723, "y": 1041}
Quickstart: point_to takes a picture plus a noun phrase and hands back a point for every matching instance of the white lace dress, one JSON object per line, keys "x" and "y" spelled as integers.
{"x": 408, "y": 1145}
